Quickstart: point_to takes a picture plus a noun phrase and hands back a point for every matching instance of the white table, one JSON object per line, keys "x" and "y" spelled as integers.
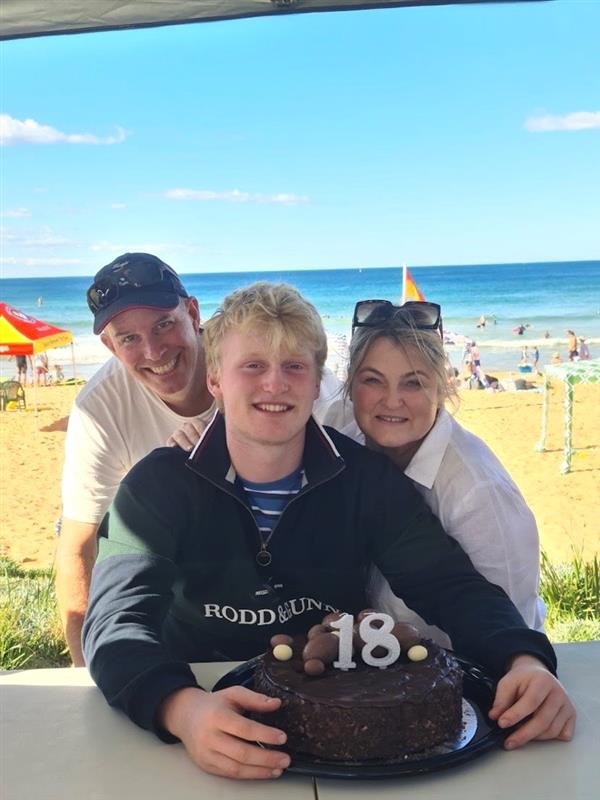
{"x": 60, "y": 741}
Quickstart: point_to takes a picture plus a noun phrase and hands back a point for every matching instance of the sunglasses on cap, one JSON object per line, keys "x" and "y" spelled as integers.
{"x": 112, "y": 282}
{"x": 417, "y": 313}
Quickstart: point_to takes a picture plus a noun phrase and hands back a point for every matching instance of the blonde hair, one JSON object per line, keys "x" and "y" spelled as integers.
{"x": 403, "y": 334}
{"x": 276, "y": 310}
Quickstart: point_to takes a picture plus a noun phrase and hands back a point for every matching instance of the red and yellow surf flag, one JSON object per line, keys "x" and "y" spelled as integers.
{"x": 410, "y": 290}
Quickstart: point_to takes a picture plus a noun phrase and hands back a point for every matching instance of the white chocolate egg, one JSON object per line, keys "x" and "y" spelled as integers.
{"x": 417, "y": 653}
{"x": 283, "y": 652}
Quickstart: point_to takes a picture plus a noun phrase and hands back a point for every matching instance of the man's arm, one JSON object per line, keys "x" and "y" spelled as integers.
{"x": 93, "y": 466}
{"x": 75, "y": 556}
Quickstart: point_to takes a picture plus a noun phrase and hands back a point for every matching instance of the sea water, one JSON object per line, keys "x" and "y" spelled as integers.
{"x": 549, "y": 298}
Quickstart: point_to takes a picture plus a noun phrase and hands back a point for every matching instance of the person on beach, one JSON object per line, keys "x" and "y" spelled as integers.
{"x": 584, "y": 350}
{"x": 394, "y": 402}
{"x": 58, "y": 375}
{"x": 22, "y": 362}
{"x": 189, "y": 569}
{"x": 42, "y": 369}
{"x": 153, "y": 385}
{"x": 572, "y": 345}
{"x": 536, "y": 359}
{"x": 524, "y": 356}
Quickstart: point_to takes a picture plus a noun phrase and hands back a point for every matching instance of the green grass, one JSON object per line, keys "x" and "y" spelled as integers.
{"x": 30, "y": 632}
{"x": 572, "y": 595}
{"x": 31, "y": 635}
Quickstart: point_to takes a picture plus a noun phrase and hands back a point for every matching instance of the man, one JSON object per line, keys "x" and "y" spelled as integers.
{"x": 191, "y": 567}
{"x": 155, "y": 383}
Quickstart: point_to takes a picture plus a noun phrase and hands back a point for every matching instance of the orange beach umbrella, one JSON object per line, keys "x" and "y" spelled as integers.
{"x": 23, "y": 335}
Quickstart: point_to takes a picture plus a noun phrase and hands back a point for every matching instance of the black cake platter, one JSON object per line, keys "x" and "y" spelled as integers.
{"x": 478, "y": 735}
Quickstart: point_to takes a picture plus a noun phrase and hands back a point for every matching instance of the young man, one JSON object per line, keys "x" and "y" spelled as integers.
{"x": 155, "y": 383}
{"x": 194, "y": 566}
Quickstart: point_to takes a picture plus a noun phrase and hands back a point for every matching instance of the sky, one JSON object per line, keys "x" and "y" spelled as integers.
{"x": 437, "y": 135}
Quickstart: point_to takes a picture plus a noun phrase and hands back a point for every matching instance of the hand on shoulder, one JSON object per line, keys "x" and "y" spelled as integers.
{"x": 528, "y": 689}
{"x": 187, "y": 436}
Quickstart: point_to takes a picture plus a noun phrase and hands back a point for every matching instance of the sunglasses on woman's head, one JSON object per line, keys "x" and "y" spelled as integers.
{"x": 107, "y": 288}
{"x": 417, "y": 313}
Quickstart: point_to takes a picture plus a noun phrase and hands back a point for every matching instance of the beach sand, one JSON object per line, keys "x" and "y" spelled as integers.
{"x": 565, "y": 506}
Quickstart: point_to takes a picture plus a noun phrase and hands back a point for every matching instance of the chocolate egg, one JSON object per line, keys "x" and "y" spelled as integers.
{"x": 357, "y": 640}
{"x": 317, "y": 630}
{"x": 281, "y": 638}
{"x": 324, "y": 647}
{"x": 282, "y": 652}
{"x": 417, "y": 653}
{"x": 365, "y": 613}
{"x": 314, "y": 667}
{"x": 407, "y": 635}
{"x": 333, "y": 617}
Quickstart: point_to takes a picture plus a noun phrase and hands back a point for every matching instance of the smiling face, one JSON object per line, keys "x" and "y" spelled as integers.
{"x": 266, "y": 396}
{"x": 162, "y": 349}
{"x": 395, "y": 398}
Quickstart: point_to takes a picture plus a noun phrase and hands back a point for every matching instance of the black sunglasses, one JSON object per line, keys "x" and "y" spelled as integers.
{"x": 418, "y": 313}
{"x": 110, "y": 284}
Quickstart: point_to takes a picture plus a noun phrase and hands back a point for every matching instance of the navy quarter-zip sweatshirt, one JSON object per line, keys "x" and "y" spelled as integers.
{"x": 177, "y": 579}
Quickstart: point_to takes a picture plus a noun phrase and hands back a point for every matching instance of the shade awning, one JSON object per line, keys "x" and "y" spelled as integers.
{"x": 24, "y": 18}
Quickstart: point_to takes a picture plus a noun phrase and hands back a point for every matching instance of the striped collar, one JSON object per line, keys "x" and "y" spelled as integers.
{"x": 210, "y": 457}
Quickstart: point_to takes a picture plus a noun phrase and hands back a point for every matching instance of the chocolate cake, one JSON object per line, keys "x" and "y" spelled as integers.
{"x": 366, "y": 712}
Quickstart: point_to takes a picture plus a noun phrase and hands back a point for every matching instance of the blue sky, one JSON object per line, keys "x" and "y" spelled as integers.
{"x": 440, "y": 135}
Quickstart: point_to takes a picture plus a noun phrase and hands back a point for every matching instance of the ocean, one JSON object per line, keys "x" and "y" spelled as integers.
{"x": 548, "y": 297}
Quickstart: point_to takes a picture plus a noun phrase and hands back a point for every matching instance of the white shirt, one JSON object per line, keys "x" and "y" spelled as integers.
{"x": 115, "y": 421}
{"x": 478, "y": 504}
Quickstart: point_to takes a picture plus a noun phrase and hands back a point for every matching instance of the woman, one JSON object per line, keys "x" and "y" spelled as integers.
{"x": 396, "y": 390}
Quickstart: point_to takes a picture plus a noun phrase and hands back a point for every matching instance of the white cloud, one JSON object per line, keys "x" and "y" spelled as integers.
{"x": 39, "y": 262}
{"x": 141, "y": 247}
{"x": 235, "y": 196}
{"x": 16, "y": 213}
{"x": 42, "y": 237}
{"x": 576, "y": 121}
{"x": 28, "y": 131}
{"x": 47, "y": 241}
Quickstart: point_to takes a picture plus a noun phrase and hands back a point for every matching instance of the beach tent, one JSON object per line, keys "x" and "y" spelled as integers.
{"x": 23, "y": 18}
{"x": 570, "y": 373}
{"x": 23, "y": 335}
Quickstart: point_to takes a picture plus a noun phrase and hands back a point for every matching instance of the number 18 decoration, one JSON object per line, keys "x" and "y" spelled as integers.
{"x": 338, "y": 638}
{"x": 372, "y": 635}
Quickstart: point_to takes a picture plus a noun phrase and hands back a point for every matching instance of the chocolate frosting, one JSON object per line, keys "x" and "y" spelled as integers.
{"x": 404, "y": 681}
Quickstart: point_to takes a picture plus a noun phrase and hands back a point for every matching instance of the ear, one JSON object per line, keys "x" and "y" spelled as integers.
{"x": 107, "y": 342}
{"x": 193, "y": 310}
{"x": 213, "y": 383}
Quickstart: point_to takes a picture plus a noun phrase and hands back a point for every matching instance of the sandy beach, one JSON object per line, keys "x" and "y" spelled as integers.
{"x": 565, "y": 506}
